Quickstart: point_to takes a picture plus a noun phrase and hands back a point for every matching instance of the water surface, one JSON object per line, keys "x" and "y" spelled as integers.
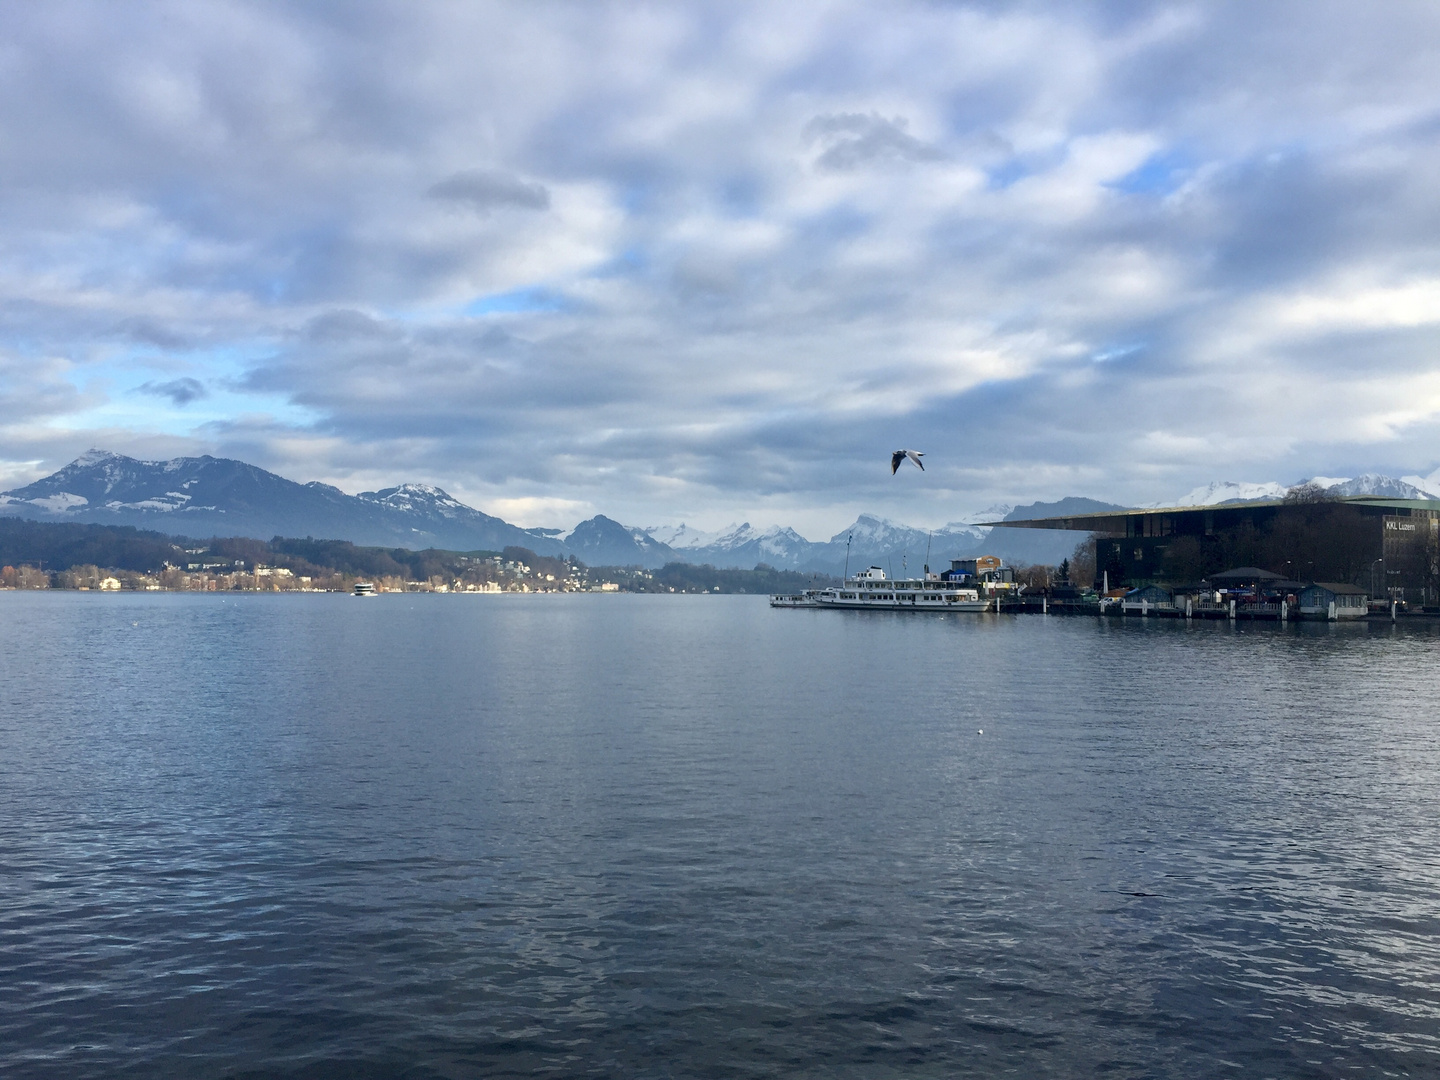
{"x": 451, "y": 836}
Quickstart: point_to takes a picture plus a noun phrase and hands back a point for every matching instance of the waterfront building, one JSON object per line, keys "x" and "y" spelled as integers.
{"x": 1388, "y": 547}
{"x": 1331, "y": 600}
{"x": 985, "y": 570}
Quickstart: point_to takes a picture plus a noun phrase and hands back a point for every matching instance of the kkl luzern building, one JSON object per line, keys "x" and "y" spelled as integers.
{"x": 1390, "y": 547}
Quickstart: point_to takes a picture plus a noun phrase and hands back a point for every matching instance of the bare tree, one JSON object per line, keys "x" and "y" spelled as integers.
{"x": 1082, "y": 562}
{"x": 1037, "y": 576}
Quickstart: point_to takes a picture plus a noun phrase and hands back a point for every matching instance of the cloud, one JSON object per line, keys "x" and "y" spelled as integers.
{"x": 34, "y": 390}
{"x": 852, "y": 140}
{"x": 181, "y": 391}
{"x": 717, "y": 260}
{"x": 485, "y": 191}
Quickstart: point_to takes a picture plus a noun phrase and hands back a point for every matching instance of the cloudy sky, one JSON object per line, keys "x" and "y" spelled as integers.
{"x": 714, "y": 261}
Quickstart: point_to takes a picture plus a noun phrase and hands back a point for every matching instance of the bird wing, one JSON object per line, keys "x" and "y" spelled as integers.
{"x": 915, "y": 456}
{"x": 895, "y": 459}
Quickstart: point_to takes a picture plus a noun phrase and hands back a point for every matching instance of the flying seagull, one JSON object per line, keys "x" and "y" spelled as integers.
{"x": 900, "y": 455}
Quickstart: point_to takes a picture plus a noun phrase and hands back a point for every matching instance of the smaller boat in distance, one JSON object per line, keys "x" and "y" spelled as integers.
{"x": 364, "y": 588}
{"x": 805, "y": 599}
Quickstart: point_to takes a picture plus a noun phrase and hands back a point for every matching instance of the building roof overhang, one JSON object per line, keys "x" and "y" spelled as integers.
{"x": 1113, "y": 521}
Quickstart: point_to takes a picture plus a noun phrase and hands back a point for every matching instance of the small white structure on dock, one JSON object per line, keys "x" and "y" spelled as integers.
{"x": 1331, "y": 600}
{"x": 1150, "y": 599}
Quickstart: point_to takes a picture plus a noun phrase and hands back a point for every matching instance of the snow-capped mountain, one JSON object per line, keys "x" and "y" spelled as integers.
{"x": 1325, "y": 483}
{"x": 994, "y": 512}
{"x": 732, "y": 546}
{"x": 208, "y": 496}
{"x": 418, "y": 498}
{"x": 1384, "y": 487}
{"x": 736, "y": 536}
{"x": 745, "y": 546}
{"x": 870, "y": 533}
{"x": 429, "y": 511}
{"x": 1425, "y": 483}
{"x": 1227, "y": 491}
{"x": 682, "y": 536}
{"x": 874, "y": 540}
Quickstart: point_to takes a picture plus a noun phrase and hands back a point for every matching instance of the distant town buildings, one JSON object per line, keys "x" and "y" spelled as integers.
{"x": 476, "y": 575}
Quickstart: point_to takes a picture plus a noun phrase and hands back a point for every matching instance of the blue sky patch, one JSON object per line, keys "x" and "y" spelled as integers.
{"x": 1159, "y": 174}
{"x": 517, "y": 301}
{"x": 1002, "y": 176}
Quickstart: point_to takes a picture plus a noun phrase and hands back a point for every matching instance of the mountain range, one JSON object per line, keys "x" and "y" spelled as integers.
{"x": 1386, "y": 487}
{"x": 206, "y": 496}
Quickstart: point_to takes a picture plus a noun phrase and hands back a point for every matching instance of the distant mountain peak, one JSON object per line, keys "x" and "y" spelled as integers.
{"x": 209, "y": 496}
{"x": 603, "y": 541}
{"x": 422, "y": 489}
{"x": 682, "y": 536}
{"x": 407, "y": 494}
{"x": 994, "y": 512}
{"x": 95, "y": 456}
{"x": 1218, "y": 492}
{"x": 1429, "y": 484}
{"x": 781, "y": 530}
{"x": 736, "y": 535}
{"x": 1384, "y": 487}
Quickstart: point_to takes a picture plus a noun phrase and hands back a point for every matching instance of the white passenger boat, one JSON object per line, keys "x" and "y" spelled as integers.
{"x": 804, "y": 599}
{"x": 871, "y": 590}
{"x": 364, "y": 588}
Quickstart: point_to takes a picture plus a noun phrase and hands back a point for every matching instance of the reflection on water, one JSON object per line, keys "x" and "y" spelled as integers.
{"x": 660, "y": 836}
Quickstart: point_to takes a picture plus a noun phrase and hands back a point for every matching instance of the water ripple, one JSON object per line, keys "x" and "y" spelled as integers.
{"x": 659, "y": 836}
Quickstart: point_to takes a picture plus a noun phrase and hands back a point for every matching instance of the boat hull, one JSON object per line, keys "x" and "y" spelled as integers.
{"x": 925, "y": 604}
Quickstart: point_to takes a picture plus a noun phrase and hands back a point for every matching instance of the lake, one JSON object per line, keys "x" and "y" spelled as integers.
{"x": 656, "y": 836}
